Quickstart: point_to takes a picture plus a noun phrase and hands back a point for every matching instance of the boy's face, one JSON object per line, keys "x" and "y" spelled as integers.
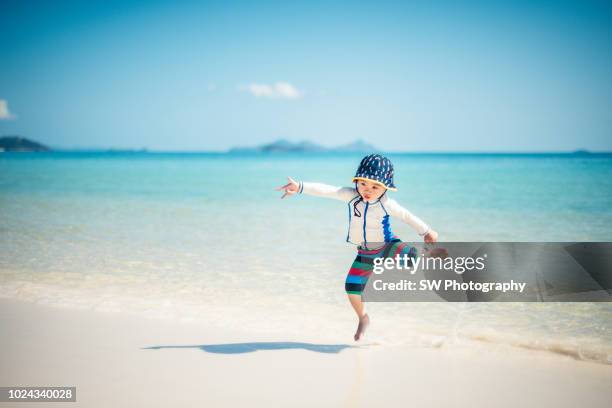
{"x": 369, "y": 190}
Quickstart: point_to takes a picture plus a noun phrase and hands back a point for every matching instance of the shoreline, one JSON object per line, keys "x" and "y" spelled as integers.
{"x": 439, "y": 325}
{"x": 117, "y": 359}
{"x": 451, "y": 326}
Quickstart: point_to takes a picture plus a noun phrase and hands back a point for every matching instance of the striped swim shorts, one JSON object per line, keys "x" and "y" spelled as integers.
{"x": 362, "y": 266}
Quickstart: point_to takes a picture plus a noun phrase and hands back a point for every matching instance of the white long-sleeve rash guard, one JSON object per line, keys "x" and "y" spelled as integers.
{"x": 373, "y": 225}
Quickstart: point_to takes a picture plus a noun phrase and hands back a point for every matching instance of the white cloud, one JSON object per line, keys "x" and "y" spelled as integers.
{"x": 261, "y": 90}
{"x": 283, "y": 90}
{"x": 5, "y": 114}
{"x": 286, "y": 90}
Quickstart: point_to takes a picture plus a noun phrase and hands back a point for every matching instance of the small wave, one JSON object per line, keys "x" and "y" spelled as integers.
{"x": 575, "y": 351}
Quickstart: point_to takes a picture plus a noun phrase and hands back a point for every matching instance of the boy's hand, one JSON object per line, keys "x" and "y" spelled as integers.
{"x": 290, "y": 188}
{"x": 431, "y": 237}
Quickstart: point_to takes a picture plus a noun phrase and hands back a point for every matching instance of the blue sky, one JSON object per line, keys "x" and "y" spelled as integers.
{"x": 404, "y": 76}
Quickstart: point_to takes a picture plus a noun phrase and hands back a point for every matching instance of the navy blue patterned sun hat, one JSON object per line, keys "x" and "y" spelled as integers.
{"x": 376, "y": 168}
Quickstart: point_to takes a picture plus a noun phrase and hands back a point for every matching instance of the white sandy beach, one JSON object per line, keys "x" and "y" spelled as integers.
{"x": 108, "y": 357}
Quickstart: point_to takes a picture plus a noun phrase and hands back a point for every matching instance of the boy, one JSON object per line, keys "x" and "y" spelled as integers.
{"x": 369, "y": 209}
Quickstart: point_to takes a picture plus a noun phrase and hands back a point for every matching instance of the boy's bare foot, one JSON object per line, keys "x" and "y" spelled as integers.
{"x": 364, "y": 322}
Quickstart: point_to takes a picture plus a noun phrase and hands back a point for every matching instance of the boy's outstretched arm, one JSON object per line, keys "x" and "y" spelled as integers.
{"x": 317, "y": 189}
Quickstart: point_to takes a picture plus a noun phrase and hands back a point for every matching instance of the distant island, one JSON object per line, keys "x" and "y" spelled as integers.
{"x": 20, "y": 144}
{"x": 285, "y": 146}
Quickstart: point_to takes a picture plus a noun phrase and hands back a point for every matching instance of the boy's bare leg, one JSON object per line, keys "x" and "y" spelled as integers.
{"x": 359, "y": 308}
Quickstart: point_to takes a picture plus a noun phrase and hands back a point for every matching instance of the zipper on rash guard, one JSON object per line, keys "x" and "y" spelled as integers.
{"x": 365, "y": 213}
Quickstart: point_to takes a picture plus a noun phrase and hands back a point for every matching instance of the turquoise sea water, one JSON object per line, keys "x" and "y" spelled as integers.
{"x": 205, "y": 236}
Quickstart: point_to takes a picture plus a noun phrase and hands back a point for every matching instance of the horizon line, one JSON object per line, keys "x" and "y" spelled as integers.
{"x": 229, "y": 152}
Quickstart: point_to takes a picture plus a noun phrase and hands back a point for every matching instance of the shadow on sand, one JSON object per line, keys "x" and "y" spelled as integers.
{"x": 238, "y": 348}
